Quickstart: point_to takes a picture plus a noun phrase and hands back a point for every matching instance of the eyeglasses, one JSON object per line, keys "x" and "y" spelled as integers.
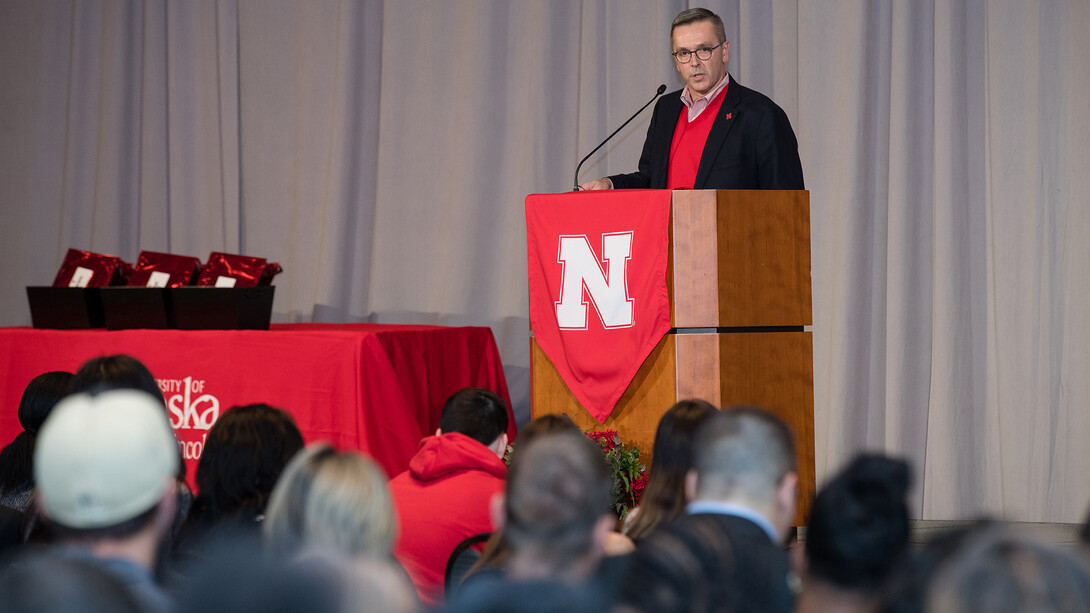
{"x": 703, "y": 54}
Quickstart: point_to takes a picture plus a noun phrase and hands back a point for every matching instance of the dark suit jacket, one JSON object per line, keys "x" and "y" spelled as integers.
{"x": 751, "y": 146}
{"x": 708, "y": 563}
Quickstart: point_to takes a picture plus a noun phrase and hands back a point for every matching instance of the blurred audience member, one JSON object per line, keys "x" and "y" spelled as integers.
{"x": 367, "y": 584}
{"x": 116, "y": 371}
{"x": 444, "y": 496}
{"x": 728, "y": 545}
{"x": 997, "y": 572}
{"x": 122, "y": 371}
{"x": 42, "y": 582}
{"x": 17, "y": 459}
{"x": 672, "y": 458}
{"x": 497, "y": 549}
{"x": 556, "y": 517}
{"x": 105, "y": 466}
{"x": 858, "y": 532}
{"x": 237, "y": 578}
{"x": 1084, "y": 533}
{"x": 245, "y": 452}
{"x": 11, "y": 531}
{"x": 906, "y": 587}
{"x": 330, "y": 499}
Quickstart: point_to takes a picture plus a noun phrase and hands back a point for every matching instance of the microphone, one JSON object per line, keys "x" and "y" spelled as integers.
{"x": 658, "y": 93}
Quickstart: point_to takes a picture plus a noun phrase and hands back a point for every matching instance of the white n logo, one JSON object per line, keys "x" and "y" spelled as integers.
{"x": 607, "y": 289}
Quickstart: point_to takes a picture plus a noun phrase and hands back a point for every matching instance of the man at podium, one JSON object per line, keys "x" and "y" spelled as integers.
{"x": 713, "y": 133}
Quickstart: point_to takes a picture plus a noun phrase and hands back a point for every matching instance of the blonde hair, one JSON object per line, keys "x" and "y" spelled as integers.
{"x": 331, "y": 499}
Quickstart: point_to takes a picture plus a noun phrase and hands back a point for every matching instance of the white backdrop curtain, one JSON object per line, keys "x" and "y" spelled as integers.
{"x": 381, "y": 151}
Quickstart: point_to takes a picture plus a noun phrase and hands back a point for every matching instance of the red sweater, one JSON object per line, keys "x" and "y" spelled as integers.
{"x": 688, "y": 144}
{"x": 442, "y": 499}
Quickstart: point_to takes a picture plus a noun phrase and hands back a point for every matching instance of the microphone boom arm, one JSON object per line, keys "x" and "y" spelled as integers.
{"x": 658, "y": 93}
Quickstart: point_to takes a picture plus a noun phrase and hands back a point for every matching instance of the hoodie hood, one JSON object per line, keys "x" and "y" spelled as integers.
{"x": 453, "y": 453}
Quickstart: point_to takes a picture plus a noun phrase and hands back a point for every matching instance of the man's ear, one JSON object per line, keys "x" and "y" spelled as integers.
{"x": 496, "y": 510}
{"x": 787, "y": 494}
{"x": 499, "y": 446}
{"x": 690, "y": 485}
{"x": 37, "y": 498}
{"x": 605, "y": 525}
{"x": 167, "y": 507}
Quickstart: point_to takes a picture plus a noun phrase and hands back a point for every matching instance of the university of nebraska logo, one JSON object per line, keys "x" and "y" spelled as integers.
{"x": 607, "y": 249}
{"x": 192, "y": 412}
{"x": 584, "y": 279}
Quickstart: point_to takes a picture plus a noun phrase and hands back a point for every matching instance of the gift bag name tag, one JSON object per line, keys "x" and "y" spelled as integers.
{"x": 81, "y": 277}
{"x": 222, "y": 281}
{"x": 158, "y": 279}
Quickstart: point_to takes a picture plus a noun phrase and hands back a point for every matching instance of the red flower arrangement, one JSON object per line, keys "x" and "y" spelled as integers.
{"x": 629, "y": 476}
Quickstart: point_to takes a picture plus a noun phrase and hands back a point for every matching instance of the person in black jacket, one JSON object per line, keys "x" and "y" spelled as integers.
{"x": 713, "y": 133}
{"x": 726, "y": 553}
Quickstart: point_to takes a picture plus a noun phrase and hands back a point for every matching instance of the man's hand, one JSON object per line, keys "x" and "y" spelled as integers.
{"x": 604, "y": 183}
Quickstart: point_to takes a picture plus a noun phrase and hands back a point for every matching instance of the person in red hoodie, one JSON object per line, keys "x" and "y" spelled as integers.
{"x": 444, "y": 497}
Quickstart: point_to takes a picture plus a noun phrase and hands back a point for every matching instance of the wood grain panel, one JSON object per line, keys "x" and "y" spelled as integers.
{"x": 698, "y": 367}
{"x": 764, "y": 258}
{"x": 694, "y": 278}
{"x": 774, "y": 370}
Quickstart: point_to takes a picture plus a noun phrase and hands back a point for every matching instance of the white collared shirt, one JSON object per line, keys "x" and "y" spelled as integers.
{"x": 697, "y": 107}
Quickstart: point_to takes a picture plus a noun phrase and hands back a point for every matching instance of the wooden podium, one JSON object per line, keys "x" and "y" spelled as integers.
{"x": 739, "y": 285}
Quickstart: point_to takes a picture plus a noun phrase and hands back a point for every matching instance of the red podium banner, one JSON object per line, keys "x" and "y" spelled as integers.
{"x": 598, "y": 297}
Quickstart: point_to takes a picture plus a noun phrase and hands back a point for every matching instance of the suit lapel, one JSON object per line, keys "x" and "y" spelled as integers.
{"x": 672, "y": 107}
{"x": 724, "y": 121}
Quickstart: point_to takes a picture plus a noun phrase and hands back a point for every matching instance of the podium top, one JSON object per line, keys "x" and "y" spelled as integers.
{"x": 740, "y": 258}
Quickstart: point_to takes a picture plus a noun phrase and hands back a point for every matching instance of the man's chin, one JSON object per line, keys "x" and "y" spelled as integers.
{"x": 699, "y": 85}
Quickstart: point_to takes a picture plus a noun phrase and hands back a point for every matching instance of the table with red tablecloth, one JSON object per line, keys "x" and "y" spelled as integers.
{"x": 375, "y": 387}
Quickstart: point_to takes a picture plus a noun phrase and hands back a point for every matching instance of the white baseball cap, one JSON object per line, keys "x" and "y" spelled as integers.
{"x": 103, "y": 459}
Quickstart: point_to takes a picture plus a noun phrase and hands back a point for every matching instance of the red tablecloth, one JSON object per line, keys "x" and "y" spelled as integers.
{"x": 374, "y": 387}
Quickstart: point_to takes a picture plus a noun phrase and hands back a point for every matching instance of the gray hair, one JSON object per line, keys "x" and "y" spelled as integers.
{"x": 695, "y": 15}
{"x": 743, "y": 451}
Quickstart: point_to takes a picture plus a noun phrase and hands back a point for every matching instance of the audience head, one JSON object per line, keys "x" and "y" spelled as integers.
{"x": 331, "y": 499}
{"x": 543, "y": 425}
{"x": 907, "y": 584}
{"x": 17, "y": 459}
{"x": 556, "y": 508}
{"x": 497, "y": 550}
{"x": 116, "y": 371}
{"x": 859, "y": 524}
{"x": 664, "y": 497}
{"x": 105, "y": 465}
{"x": 364, "y": 585}
{"x": 237, "y": 577}
{"x": 999, "y": 572}
{"x": 746, "y": 455}
{"x": 42, "y": 582}
{"x": 479, "y": 414}
{"x": 245, "y": 452}
{"x": 1084, "y": 533}
{"x": 40, "y": 396}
